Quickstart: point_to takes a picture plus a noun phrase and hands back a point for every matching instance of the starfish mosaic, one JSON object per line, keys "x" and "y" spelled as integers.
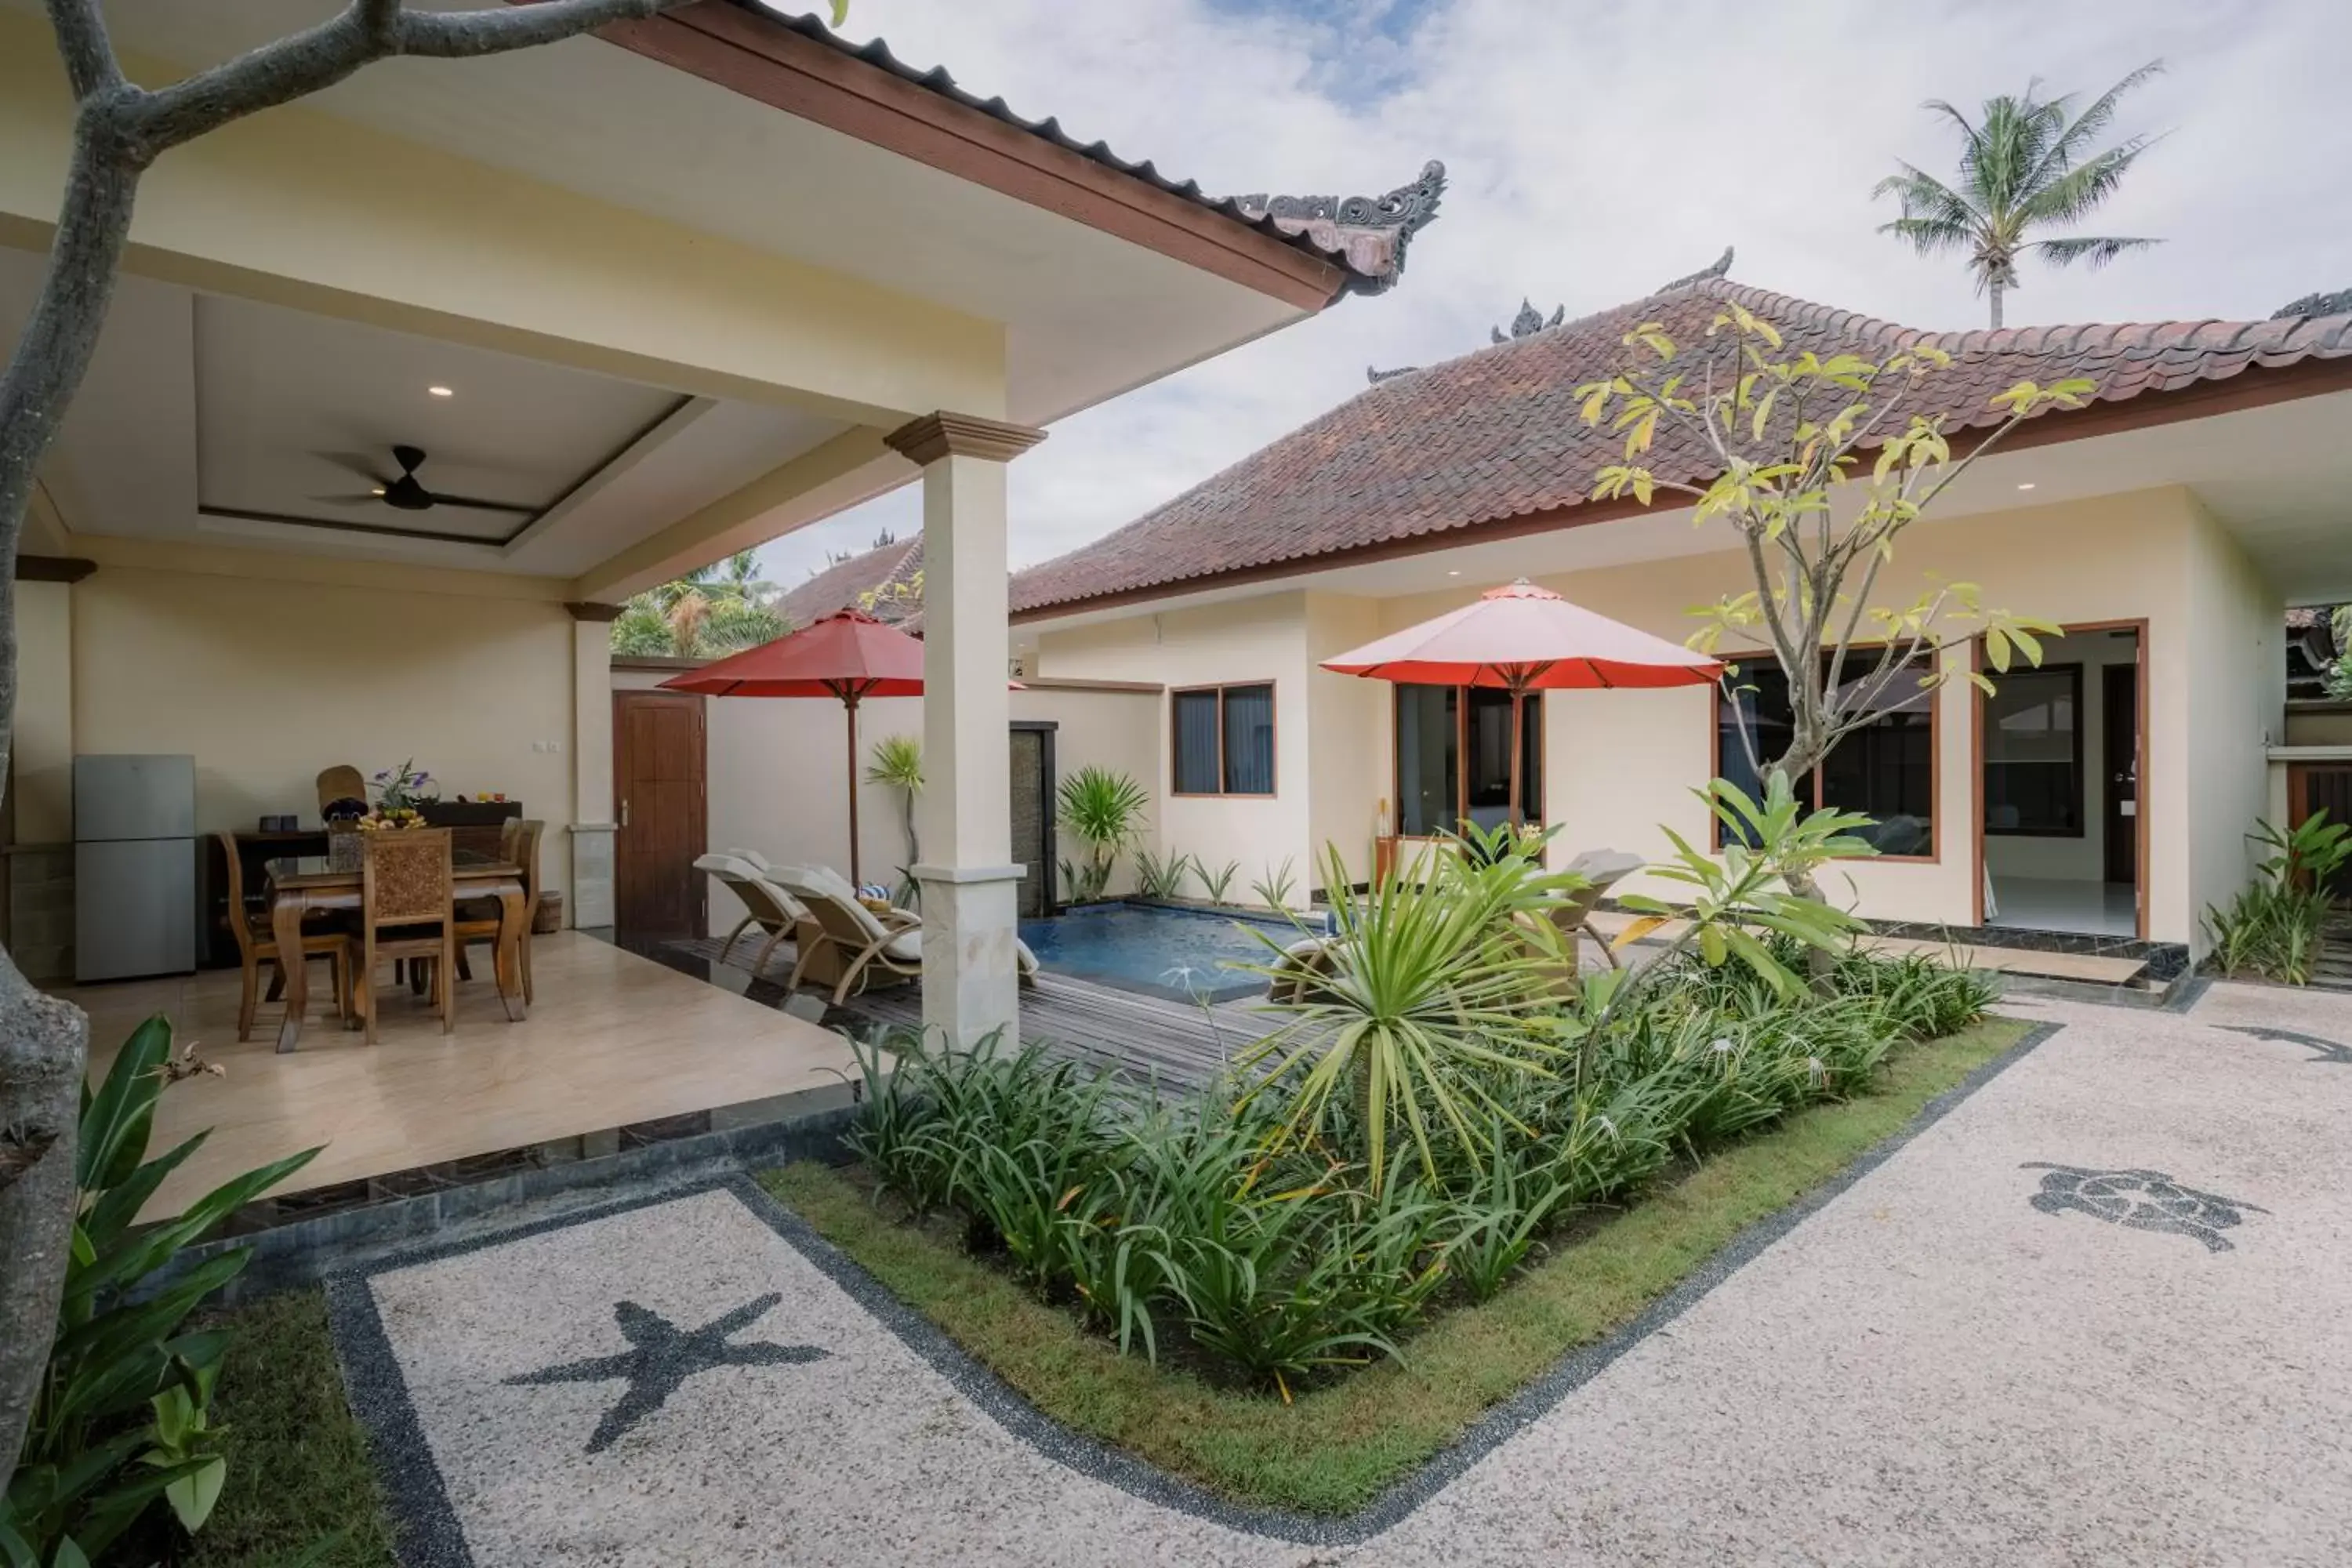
{"x": 661, "y": 1356}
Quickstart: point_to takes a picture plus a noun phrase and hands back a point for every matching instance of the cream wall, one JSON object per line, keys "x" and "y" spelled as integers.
{"x": 267, "y": 681}
{"x": 1620, "y": 766}
{"x": 1246, "y": 641}
{"x": 777, "y": 777}
{"x": 41, "y": 757}
{"x": 2237, "y": 692}
{"x": 1348, "y": 719}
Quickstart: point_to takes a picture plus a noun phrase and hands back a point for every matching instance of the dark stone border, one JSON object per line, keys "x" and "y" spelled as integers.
{"x": 426, "y": 1532}
{"x": 427, "y": 1524}
{"x": 302, "y": 1249}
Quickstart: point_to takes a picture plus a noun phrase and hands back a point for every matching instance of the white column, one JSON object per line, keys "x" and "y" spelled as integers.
{"x": 970, "y": 888}
{"x": 591, "y": 763}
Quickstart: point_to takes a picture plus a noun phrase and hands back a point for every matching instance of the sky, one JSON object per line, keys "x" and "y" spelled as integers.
{"x": 1596, "y": 149}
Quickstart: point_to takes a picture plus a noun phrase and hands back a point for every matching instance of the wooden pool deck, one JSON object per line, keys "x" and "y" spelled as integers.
{"x": 1178, "y": 1045}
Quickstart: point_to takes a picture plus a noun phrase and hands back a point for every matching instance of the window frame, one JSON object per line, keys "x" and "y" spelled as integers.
{"x": 2082, "y": 828}
{"x": 1273, "y": 740}
{"x": 1529, "y": 811}
{"x": 1934, "y": 854}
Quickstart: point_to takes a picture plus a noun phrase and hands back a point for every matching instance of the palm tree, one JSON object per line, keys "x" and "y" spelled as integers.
{"x": 723, "y": 607}
{"x": 2027, "y": 166}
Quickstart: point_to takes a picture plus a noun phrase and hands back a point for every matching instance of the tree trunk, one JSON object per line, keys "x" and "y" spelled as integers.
{"x": 44, "y": 1043}
{"x": 1995, "y": 291}
{"x": 1820, "y": 965}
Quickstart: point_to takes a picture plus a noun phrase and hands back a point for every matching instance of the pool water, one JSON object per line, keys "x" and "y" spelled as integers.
{"x": 1186, "y": 954}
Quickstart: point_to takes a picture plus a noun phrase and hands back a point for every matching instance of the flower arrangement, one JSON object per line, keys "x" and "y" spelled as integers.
{"x": 403, "y": 788}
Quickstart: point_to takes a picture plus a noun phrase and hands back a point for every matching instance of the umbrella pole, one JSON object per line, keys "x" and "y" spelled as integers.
{"x": 1518, "y": 753}
{"x": 849, "y": 711}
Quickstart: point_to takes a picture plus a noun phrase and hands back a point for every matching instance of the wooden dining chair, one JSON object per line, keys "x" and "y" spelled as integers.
{"x": 406, "y": 913}
{"x": 257, "y": 944}
{"x": 478, "y": 920}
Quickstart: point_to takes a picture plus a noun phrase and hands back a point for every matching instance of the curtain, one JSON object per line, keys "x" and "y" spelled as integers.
{"x": 1426, "y": 760}
{"x": 1249, "y": 740}
{"x": 1196, "y": 742}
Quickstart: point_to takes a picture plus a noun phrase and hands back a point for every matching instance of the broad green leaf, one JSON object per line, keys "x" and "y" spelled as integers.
{"x": 191, "y": 1497}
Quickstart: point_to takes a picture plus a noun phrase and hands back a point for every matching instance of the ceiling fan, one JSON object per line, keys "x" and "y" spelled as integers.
{"x": 407, "y": 493}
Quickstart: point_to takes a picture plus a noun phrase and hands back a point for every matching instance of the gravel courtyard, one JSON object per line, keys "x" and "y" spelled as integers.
{"x": 2098, "y": 1312}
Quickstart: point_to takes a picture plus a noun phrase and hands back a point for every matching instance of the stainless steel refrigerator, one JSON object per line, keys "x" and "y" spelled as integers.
{"x": 134, "y": 866}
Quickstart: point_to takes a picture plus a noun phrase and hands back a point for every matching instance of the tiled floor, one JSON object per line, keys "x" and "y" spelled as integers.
{"x": 612, "y": 1039}
{"x": 2037, "y": 903}
{"x": 1983, "y": 955}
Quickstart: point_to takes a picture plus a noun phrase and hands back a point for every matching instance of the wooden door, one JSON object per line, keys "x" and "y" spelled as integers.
{"x": 2314, "y": 787}
{"x": 659, "y": 805}
{"x": 2119, "y": 768}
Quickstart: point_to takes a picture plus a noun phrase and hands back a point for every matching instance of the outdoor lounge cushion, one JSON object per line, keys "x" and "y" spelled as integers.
{"x": 906, "y": 946}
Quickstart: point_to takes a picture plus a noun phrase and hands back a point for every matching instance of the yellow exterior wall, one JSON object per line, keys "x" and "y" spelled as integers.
{"x": 1253, "y": 640}
{"x": 266, "y": 683}
{"x": 1620, "y": 764}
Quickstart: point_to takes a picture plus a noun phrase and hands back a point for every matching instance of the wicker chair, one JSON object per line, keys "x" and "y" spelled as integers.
{"x": 257, "y": 944}
{"x": 405, "y": 912}
{"x": 341, "y": 782}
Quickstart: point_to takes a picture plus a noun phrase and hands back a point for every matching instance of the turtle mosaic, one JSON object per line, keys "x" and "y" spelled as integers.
{"x": 2143, "y": 1200}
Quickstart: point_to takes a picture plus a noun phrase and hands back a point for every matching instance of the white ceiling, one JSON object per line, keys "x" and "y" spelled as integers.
{"x": 1087, "y": 315}
{"x": 295, "y": 416}
{"x": 199, "y": 408}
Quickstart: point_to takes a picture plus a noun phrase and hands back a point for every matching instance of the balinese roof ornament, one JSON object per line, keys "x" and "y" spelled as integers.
{"x": 1722, "y": 268}
{"x": 2338, "y": 303}
{"x": 1528, "y": 323}
{"x": 1370, "y": 231}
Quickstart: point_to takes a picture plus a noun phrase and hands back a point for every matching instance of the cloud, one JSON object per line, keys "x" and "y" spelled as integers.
{"x": 1597, "y": 150}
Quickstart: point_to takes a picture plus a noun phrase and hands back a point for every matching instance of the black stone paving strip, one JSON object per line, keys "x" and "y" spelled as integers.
{"x": 422, "y": 1503}
{"x": 424, "y": 1527}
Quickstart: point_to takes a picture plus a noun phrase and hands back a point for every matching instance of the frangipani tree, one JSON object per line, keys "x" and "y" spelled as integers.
{"x": 1821, "y": 465}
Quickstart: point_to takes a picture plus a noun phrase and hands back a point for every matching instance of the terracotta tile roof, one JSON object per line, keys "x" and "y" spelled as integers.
{"x": 1366, "y": 236}
{"x": 1494, "y": 435}
{"x": 865, "y": 583}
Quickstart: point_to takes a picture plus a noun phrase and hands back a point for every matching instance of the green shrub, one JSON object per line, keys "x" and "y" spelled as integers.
{"x": 1276, "y": 1257}
{"x": 1103, "y": 810}
{"x": 2275, "y": 926}
{"x": 1215, "y": 884}
{"x": 1162, "y": 876}
{"x": 122, "y": 1420}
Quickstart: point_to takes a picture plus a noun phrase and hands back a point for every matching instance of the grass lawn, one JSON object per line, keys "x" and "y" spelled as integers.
{"x": 298, "y": 1461}
{"x": 1338, "y": 1447}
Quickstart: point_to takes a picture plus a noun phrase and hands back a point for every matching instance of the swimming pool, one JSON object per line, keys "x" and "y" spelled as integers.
{"x": 1186, "y": 954}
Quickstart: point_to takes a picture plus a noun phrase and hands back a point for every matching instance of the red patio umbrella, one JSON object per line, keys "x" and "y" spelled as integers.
{"x": 848, "y": 656}
{"x": 1522, "y": 638}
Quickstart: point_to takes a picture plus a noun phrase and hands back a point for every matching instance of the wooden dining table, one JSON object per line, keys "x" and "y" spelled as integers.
{"x": 303, "y": 884}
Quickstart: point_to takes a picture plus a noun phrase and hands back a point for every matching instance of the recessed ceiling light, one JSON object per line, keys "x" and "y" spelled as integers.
{"x": 377, "y": 491}
{"x": 440, "y": 392}
{"x": 2026, "y": 486}
{"x": 1456, "y": 573}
